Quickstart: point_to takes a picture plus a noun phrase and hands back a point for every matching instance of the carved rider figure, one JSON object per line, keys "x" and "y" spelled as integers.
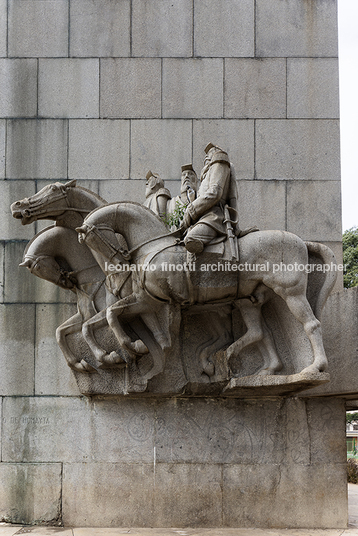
{"x": 188, "y": 189}
{"x": 205, "y": 217}
{"x": 156, "y": 196}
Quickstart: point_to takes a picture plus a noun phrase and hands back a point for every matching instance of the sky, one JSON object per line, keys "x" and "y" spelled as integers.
{"x": 348, "y": 78}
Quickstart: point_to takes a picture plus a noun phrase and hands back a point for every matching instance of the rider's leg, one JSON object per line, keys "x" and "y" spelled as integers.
{"x": 198, "y": 236}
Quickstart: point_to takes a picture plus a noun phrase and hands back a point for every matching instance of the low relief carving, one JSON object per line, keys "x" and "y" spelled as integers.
{"x": 173, "y": 297}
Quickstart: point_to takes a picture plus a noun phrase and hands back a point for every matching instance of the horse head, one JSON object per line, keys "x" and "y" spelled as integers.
{"x": 48, "y": 203}
{"x": 48, "y": 268}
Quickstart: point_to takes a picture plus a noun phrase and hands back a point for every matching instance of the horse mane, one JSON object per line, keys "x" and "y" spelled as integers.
{"x": 93, "y": 194}
{"x": 134, "y": 203}
{"x": 34, "y": 238}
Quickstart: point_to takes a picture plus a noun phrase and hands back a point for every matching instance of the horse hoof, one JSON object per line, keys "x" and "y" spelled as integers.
{"x": 111, "y": 360}
{"x": 139, "y": 347}
{"x": 209, "y": 369}
{"x": 83, "y": 366}
{"x": 313, "y": 369}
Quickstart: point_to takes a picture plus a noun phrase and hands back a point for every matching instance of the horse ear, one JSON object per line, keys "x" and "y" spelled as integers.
{"x": 26, "y": 264}
{"x": 71, "y": 184}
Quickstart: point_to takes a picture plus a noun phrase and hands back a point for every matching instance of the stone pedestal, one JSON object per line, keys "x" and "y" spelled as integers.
{"x": 267, "y": 462}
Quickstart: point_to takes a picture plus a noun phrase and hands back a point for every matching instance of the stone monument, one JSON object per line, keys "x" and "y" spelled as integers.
{"x": 176, "y": 394}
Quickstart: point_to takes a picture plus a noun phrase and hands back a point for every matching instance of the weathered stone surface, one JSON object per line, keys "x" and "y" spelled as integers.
{"x": 98, "y": 149}
{"x": 222, "y": 29}
{"x": 52, "y": 374}
{"x": 3, "y": 24}
{"x": 318, "y": 198}
{"x": 18, "y": 80}
{"x": 17, "y": 335}
{"x": 151, "y": 139}
{"x": 36, "y": 149}
{"x": 327, "y": 417}
{"x": 181, "y": 80}
{"x": 294, "y": 28}
{"x": 234, "y": 136}
{"x": 30, "y": 493}
{"x": 188, "y": 494}
{"x": 284, "y": 496}
{"x": 125, "y": 491}
{"x": 297, "y": 149}
{"x": 340, "y": 337}
{"x": 38, "y": 28}
{"x": 11, "y": 191}
{"x": 263, "y": 92}
{"x": 167, "y": 30}
{"x": 312, "y": 88}
{"x": 69, "y": 87}
{"x": 256, "y": 199}
{"x": 2, "y": 270}
{"x": 130, "y": 87}
{"x": 21, "y": 287}
{"x": 2, "y": 148}
{"x": 125, "y": 190}
{"x": 99, "y": 28}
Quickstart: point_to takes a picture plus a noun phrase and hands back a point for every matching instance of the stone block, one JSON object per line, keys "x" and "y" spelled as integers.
{"x": 167, "y": 30}
{"x": 22, "y": 286}
{"x": 30, "y": 493}
{"x": 98, "y": 149}
{"x": 234, "y": 136}
{"x": 192, "y": 88}
{"x": 224, "y": 29}
{"x": 188, "y": 495}
{"x": 291, "y": 28}
{"x": 313, "y": 210}
{"x": 297, "y": 149}
{"x": 312, "y": 88}
{"x": 18, "y": 81}
{"x": 255, "y": 88}
{"x": 3, "y": 25}
{"x": 46, "y": 429}
{"x": 245, "y": 486}
{"x": 38, "y": 28}
{"x": 152, "y": 142}
{"x": 2, "y": 148}
{"x": 262, "y": 204}
{"x": 68, "y": 429}
{"x": 125, "y": 491}
{"x": 17, "y": 335}
{"x": 130, "y": 87}
{"x": 11, "y": 191}
{"x": 340, "y": 338}
{"x": 99, "y": 28}
{"x": 36, "y": 149}
{"x": 284, "y": 496}
{"x": 69, "y": 87}
{"x": 2, "y": 270}
{"x": 123, "y": 190}
{"x": 216, "y": 431}
{"x": 52, "y": 374}
{"x": 327, "y": 430}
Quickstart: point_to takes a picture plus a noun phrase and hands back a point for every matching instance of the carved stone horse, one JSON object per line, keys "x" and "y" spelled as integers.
{"x": 151, "y": 247}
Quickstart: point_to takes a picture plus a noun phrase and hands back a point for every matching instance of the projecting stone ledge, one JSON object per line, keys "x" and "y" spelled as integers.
{"x": 249, "y": 386}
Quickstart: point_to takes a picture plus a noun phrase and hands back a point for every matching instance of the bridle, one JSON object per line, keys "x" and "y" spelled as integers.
{"x": 34, "y": 209}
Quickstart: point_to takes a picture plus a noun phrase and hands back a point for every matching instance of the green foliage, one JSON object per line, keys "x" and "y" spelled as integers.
{"x": 352, "y": 471}
{"x": 351, "y": 417}
{"x": 174, "y": 219}
{"x": 350, "y": 257}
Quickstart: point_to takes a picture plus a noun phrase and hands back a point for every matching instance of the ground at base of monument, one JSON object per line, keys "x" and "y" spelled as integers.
{"x": 12, "y": 530}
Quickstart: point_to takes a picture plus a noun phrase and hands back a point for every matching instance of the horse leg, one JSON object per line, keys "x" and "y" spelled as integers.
{"x": 113, "y": 312}
{"x": 301, "y": 309}
{"x": 72, "y": 325}
{"x": 257, "y": 332}
{"x": 100, "y": 354}
{"x": 220, "y": 327}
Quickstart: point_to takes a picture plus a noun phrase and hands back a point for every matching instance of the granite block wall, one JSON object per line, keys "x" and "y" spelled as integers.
{"x": 102, "y": 91}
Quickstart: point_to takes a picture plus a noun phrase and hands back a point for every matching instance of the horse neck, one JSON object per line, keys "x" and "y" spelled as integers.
{"x": 137, "y": 224}
{"x": 82, "y": 199}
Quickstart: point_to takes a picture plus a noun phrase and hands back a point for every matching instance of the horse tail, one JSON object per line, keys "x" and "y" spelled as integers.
{"x": 330, "y": 274}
